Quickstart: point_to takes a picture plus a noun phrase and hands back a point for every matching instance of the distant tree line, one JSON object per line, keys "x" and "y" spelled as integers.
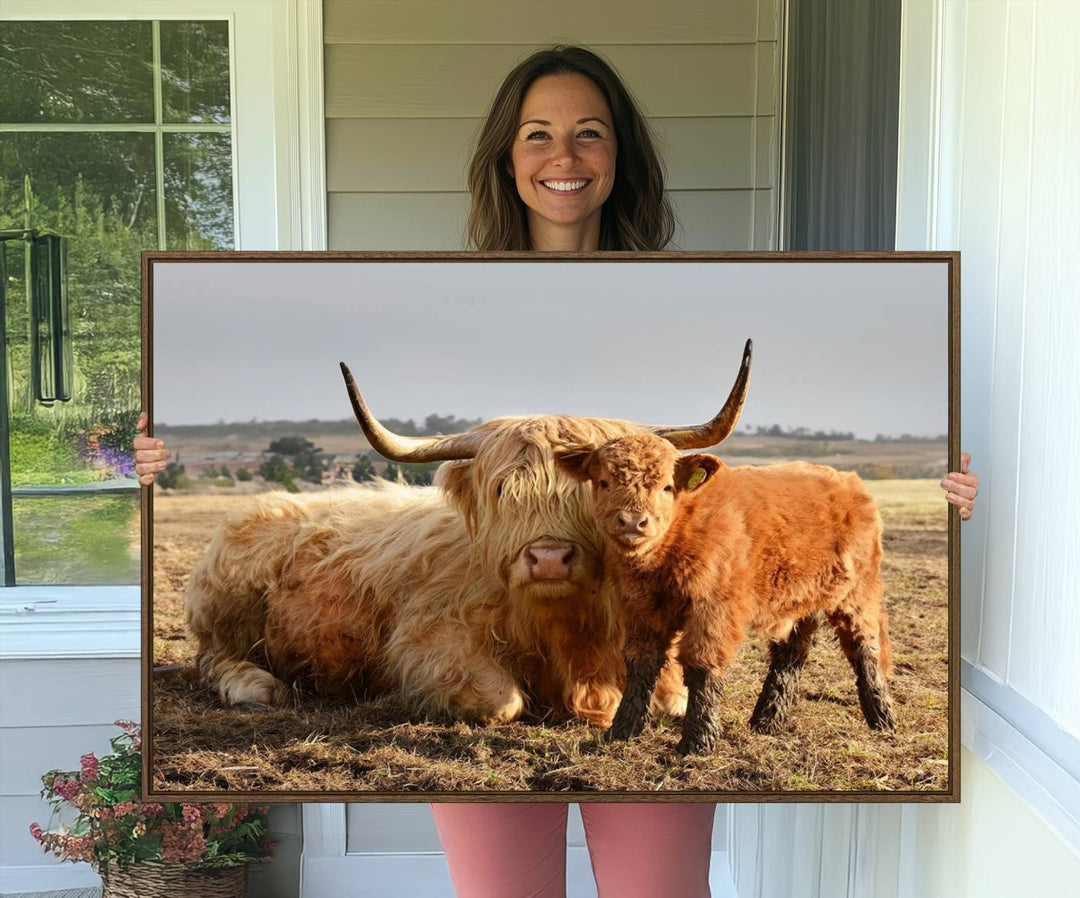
{"x": 910, "y": 438}
{"x": 803, "y": 433}
{"x": 433, "y": 425}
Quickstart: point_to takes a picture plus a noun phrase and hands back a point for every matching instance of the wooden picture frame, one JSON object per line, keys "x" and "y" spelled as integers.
{"x": 853, "y": 353}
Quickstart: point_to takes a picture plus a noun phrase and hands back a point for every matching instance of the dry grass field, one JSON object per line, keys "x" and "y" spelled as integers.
{"x": 357, "y": 745}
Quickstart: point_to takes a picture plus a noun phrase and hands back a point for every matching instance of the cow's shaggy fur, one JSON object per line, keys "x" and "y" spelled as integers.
{"x": 713, "y": 551}
{"x": 423, "y": 591}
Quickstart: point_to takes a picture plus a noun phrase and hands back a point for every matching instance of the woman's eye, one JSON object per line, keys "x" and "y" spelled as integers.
{"x": 603, "y": 484}
{"x": 669, "y": 488}
{"x": 589, "y": 132}
{"x": 536, "y": 135}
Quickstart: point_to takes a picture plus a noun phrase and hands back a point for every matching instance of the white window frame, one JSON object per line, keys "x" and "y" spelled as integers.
{"x": 279, "y": 196}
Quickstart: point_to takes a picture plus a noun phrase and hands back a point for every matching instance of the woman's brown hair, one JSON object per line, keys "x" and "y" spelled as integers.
{"x": 637, "y": 214}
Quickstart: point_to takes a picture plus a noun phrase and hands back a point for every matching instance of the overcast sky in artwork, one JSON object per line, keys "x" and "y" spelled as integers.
{"x": 837, "y": 346}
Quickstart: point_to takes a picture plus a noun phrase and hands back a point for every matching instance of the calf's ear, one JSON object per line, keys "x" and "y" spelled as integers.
{"x": 691, "y": 471}
{"x": 574, "y": 461}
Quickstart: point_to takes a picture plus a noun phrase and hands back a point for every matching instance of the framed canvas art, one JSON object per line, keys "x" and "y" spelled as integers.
{"x": 398, "y": 591}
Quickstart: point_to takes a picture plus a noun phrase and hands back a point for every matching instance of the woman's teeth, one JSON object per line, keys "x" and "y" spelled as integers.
{"x": 564, "y": 186}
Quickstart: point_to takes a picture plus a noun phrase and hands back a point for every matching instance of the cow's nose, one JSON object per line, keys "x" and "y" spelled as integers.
{"x": 633, "y": 521}
{"x": 550, "y": 560}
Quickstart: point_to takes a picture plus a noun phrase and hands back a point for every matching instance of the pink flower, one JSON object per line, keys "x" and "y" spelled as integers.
{"x": 181, "y": 842}
{"x": 153, "y": 809}
{"x": 192, "y": 813}
{"x": 66, "y": 789}
{"x": 89, "y": 768}
{"x": 36, "y": 831}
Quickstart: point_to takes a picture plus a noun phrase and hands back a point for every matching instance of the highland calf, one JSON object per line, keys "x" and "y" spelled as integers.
{"x": 712, "y": 551}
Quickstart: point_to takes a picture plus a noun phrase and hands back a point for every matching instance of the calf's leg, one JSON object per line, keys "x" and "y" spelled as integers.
{"x": 642, "y": 672}
{"x": 701, "y": 728}
{"x": 860, "y": 642}
{"x": 779, "y": 691}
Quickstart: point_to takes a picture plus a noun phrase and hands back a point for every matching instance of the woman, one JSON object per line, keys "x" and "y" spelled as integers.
{"x": 565, "y": 163}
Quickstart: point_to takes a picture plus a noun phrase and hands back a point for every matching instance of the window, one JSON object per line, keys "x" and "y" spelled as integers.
{"x": 116, "y": 135}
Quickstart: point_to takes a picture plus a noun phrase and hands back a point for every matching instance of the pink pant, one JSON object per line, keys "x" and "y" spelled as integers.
{"x": 519, "y": 850}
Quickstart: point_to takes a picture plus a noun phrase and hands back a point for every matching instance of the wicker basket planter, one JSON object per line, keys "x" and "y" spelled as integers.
{"x": 150, "y": 880}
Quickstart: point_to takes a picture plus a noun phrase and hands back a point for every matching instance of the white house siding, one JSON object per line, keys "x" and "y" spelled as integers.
{"x": 990, "y": 137}
{"x": 408, "y": 83}
{"x": 54, "y": 711}
{"x": 59, "y": 706}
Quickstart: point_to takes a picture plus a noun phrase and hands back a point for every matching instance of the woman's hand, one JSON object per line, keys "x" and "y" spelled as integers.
{"x": 962, "y": 488}
{"x": 150, "y": 454}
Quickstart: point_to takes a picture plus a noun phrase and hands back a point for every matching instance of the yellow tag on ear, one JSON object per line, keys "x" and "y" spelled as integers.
{"x": 696, "y": 478}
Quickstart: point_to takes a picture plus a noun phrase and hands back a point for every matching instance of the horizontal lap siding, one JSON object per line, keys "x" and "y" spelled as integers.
{"x": 460, "y": 80}
{"x": 408, "y": 83}
{"x": 423, "y": 155}
{"x": 524, "y": 22}
{"x": 54, "y": 711}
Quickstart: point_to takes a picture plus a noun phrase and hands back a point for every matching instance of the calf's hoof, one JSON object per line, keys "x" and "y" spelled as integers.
{"x": 621, "y": 731}
{"x": 766, "y": 724}
{"x": 882, "y": 719}
{"x": 695, "y": 745}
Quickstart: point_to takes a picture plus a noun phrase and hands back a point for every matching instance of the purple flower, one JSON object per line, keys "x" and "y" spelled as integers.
{"x": 119, "y": 462}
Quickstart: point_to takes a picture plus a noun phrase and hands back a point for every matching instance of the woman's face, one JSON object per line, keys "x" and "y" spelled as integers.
{"x": 563, "y": 160}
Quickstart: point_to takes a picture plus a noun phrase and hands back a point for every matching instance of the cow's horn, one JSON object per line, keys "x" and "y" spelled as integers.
{"x": 701, "y": 436}
{"x": 407, "y": 449}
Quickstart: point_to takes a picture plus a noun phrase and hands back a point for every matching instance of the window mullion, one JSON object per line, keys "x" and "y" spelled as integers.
{"x": 159, "y": 137}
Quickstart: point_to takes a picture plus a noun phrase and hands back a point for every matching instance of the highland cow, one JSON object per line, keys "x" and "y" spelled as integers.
{"x": 713, "y": 551}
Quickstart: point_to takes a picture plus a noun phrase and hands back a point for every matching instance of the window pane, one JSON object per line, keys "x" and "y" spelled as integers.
{"x": 195, "y": 72}
{"x": 198, "y": 192}
{"x": 76, "y": 72}
{"x": 80, "y": 540}
{"x": 98, "y": 191}
{"x": 101, "y": 179}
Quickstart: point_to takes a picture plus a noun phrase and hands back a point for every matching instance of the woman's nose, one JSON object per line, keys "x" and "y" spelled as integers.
{"x": 564, "y": 150}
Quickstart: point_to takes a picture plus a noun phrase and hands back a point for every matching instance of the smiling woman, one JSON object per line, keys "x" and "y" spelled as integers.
{"x": 560, "y": 118}
{"x": 563, "y": 160}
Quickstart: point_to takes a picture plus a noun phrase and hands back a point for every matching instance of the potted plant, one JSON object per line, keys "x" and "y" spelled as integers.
{"x": 146, "y": 848}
